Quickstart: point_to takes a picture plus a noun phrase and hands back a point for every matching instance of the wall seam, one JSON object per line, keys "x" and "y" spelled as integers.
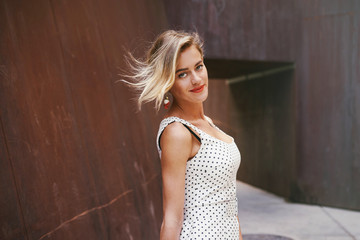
{"x": 14, "y": 178}
{"x": 7, "y": 147}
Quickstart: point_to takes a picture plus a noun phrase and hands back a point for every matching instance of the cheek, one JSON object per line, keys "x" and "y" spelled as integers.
{"x": 205, "y": 74}
{"x": 176, "y": 89}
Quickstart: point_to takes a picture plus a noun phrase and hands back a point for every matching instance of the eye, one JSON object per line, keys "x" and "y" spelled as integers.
{"x": 198, "y": 67}
{"x": 182, "y": 75}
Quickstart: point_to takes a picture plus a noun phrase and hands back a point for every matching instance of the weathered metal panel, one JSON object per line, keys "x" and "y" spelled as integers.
{"x": 85, "y": 162}
{"x": 328, "y": 119}
{"x": 245, "y": 29}
{"x": 43, "y": 139}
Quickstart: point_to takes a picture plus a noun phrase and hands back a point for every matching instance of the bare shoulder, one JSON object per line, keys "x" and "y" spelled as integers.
{"x": 176, "y": 140}
{"x": 176, "y": 132}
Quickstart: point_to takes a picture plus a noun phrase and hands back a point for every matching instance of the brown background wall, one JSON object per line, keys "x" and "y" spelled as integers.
{"x": 322, "y": 39}
{"x": 76, "y": 162}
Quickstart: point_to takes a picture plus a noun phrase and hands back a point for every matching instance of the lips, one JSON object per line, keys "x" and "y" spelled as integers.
{"x": 198, "y": 89}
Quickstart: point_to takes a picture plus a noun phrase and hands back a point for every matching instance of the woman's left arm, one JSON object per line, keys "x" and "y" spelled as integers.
{"x": 240, "y": 236}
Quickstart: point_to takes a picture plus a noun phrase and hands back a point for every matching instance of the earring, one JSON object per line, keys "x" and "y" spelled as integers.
{"x": 166, "y": 102}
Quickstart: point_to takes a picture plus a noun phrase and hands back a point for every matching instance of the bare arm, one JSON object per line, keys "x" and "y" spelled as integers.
{"x": 240, "y": 236}
{"x": 176, "y": 144}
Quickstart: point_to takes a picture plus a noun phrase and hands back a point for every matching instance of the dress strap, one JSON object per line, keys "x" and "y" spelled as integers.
{"x": 192, "y": 132}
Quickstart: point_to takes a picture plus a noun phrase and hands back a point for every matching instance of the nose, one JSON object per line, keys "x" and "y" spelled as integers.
{"x": 195, "y": 78}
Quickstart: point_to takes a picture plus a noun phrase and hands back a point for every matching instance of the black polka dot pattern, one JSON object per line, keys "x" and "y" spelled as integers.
{"x": 210, "y": 207}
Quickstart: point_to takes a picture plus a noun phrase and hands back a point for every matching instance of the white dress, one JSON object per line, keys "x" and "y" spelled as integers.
{"x": 210, "y": 207}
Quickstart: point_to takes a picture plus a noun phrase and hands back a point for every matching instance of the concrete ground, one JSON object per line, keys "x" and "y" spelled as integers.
{"x": 261, "y": 212}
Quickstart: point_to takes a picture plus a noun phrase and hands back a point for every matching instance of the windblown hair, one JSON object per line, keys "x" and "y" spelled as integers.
{"x": 155, "y": 76}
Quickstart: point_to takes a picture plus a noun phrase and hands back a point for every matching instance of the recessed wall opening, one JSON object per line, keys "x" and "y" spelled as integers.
{"x": 257, "y": 107}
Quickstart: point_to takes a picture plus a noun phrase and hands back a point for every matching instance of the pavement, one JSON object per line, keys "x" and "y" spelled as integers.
{"x": 264, "y": 215}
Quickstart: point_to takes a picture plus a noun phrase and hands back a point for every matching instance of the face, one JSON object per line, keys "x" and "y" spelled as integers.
{"x": 191, "y": 79}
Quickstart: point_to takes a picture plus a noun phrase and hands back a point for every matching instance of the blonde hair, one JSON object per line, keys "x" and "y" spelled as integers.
{"x": 155, "y": 76}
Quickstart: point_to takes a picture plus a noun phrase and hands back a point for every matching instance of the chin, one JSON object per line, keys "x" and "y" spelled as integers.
{"x": 203, "y": 96}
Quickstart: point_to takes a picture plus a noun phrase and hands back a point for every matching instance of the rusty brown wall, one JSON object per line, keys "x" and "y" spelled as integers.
{"x": 322, "y": 39}
{"x": 76, "y": 160}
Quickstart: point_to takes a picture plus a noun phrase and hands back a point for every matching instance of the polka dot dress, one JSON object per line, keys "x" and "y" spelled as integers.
{"x": 210, "y": 207}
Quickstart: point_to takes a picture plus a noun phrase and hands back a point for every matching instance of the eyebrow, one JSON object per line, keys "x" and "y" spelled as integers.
{"x": 183, "y": 69}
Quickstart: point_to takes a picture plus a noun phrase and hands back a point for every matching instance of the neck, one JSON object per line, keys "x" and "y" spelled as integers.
{"x": 189, "y": 112}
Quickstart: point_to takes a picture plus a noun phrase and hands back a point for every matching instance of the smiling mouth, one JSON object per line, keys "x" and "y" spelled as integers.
{"x": 198, "y": 89}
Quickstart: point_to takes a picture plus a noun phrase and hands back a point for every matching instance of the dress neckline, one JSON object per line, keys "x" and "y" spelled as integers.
{"x": 213, "y": 125}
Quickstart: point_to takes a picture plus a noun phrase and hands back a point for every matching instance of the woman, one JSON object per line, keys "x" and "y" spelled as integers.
{"x": 199, "y": 162}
